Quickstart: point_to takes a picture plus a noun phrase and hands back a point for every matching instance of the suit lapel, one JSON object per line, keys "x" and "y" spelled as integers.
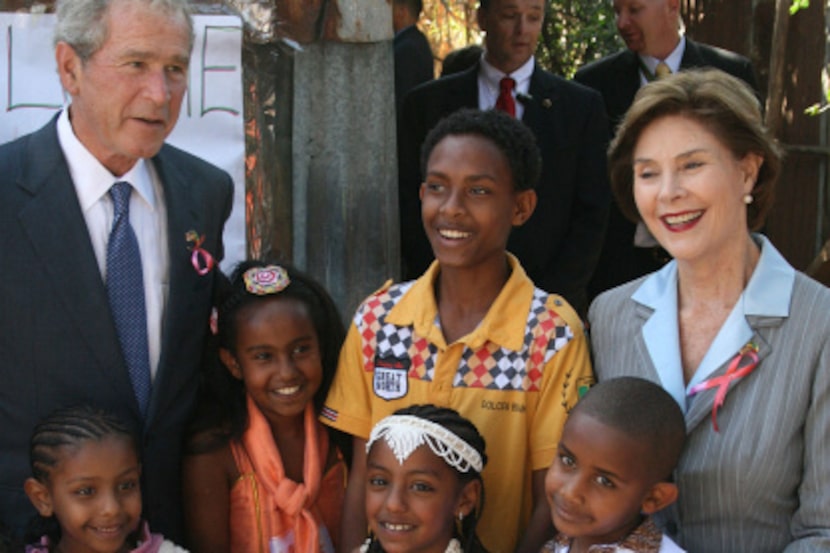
{"x": 643, "y": 314}
{"x": 701, "y": 406}
{"x": 462, "y": 91}
{"x": 542, "y": 112}
{"x": 691, "y": 56}
{"x": 183, "y": 279}
{"x": 627, "y": 83}
{"x": 55, "y": 226}
{"x": 656, "y": 306}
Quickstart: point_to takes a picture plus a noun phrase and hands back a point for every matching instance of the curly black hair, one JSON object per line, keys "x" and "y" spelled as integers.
{"x": 512, "y": 137}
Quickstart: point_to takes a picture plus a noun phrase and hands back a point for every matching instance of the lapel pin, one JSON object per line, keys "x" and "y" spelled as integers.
{"x": 201, "y": 259}
{"x": 546, "y": 103}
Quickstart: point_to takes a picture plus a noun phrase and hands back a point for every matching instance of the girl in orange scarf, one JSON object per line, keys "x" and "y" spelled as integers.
{"x": 262, "y": 474}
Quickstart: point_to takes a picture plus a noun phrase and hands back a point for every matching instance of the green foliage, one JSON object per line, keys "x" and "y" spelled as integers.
{"x": 818, "y": 108}
{"x": 799, "y": 5}
{"x": 576, "y": 32}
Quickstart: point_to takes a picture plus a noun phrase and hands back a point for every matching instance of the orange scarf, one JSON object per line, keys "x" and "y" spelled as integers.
{"x": 277, "y": 504}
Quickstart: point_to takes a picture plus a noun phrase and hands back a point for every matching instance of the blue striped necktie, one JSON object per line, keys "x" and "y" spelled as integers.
{"x": 125, "y": 288}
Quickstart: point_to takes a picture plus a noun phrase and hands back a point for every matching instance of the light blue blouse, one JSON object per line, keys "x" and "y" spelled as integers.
{"x": 768, "y": 293}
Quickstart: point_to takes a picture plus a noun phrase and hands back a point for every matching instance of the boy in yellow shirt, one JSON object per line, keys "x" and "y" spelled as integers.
{"x": 473, "y": 333}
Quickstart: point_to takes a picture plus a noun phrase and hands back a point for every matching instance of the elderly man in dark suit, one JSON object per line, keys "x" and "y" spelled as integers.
{"x": 413, "y": 56}
{"x": 559, "y": 244}
{"x": 655, "y": 45}
{"x": 108, "y": 242}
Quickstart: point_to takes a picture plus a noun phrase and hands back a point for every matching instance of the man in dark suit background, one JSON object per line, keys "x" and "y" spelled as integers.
{"x": 125, "y": 66}
{"x": 652, "y": 31}
{"x": 413, "y": 55}
{"x": 559, "y": 244}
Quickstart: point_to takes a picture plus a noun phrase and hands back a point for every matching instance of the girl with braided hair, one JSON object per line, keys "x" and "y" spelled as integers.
{"x": 423, "y": 483}
{"x": 85, "y": 486}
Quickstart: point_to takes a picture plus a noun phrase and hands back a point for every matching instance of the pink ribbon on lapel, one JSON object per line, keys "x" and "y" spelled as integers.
{"x": 740, "y": 366}
{"x": 201, "y": 259}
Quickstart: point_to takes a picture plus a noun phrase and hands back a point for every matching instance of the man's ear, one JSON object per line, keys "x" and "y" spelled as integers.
{"x": 468, "y": 499}
{"x": 481, "y": 20}
{"x": 39, "y": 496}
{"x": 661, "y": 495}
{"x": 69, "y": 67}
{"x": 525, "y": 205}
{"x": 230, "y": 363}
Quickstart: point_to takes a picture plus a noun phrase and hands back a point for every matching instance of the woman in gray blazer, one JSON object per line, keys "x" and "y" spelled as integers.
{"x": 729, "y": 328}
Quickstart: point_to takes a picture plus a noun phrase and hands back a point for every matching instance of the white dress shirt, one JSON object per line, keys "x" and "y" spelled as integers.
{"x": 148, "y": 218}
{"x": 488, "y": 85}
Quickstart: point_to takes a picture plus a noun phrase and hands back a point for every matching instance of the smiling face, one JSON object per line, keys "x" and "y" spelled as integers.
{"x": 689, "y": 189}
{"x": 277, "y": 356}
{"x": 512, "y": 29}
{"x": 648, "y": 27}
{"x": 411, "y": 507}
{"x": 468, "y": 202}
{"x": 94, "y": 493}
{"x": 599, "y": 482}
{"x": 126, "y": 96}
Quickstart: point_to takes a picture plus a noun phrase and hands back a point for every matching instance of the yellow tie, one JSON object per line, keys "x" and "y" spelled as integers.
{"x": 662, "y": 70}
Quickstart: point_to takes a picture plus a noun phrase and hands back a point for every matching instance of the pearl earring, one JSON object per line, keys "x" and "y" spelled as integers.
{"x": 748, "y": 199}
{"x": 460, "y": 516}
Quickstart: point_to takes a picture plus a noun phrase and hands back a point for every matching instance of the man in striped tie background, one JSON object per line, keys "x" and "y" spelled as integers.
{"x": 655, "y": 45}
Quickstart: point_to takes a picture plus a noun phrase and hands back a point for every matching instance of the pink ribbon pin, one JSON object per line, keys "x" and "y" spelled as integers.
{"x": 742, "y": 364}
{"x": 201, "y": 259}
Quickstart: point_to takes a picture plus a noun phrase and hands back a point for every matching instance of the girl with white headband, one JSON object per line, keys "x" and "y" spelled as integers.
{"x": 423, "y": 482}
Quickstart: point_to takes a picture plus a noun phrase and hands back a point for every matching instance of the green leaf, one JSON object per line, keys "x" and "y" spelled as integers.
{"x": 799, "y": 5}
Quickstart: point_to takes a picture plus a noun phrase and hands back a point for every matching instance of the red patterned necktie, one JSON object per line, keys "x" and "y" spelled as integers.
{"x": 505, "y": 101}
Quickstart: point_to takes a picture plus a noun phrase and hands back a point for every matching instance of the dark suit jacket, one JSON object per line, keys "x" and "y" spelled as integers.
{"x": 413, "y": 61}
{"x": 559, "y": 244}
{"x": 617, "y": 78}
{"x": 58, "y": 344}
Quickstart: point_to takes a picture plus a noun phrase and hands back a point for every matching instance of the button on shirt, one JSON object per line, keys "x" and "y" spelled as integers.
{"x": 488, "y": 84}
{"x": 148, "y": 218}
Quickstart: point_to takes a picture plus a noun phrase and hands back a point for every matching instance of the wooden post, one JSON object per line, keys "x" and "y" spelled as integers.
{"x": 778, "y": 54}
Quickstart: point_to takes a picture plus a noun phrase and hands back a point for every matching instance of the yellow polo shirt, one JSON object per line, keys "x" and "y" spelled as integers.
{"x": 516, "y": 377}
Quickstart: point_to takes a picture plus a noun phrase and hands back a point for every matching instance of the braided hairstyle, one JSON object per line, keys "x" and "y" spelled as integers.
{"x": 467, "y": 431}
{"x": 222, "y": 407}
{"x": 67, "y": 429}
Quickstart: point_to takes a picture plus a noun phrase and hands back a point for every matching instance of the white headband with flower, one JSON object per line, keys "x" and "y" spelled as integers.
{"x": 406, "y": 433}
